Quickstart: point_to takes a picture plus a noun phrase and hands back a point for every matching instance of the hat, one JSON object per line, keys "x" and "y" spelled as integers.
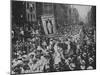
{"x": 89, "y": 68}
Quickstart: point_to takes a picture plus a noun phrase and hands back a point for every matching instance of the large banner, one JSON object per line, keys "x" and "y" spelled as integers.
{"x": 48, "y": 24}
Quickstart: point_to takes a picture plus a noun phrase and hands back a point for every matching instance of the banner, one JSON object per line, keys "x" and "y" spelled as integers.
{"x": 48, "y": 24}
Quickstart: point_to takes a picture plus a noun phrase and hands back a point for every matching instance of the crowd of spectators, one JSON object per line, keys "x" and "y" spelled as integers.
{"x": 32, "y": 52}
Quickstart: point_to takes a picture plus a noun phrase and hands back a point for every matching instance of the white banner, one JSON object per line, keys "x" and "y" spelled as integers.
{"x": 48, "y": 24}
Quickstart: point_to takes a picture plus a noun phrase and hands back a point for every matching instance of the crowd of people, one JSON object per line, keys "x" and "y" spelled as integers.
{"x": 32, "y": 52}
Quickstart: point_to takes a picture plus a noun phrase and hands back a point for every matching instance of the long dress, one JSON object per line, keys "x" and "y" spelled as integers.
{"x": 57, "y": 57}
{"x": 49, "y": 27}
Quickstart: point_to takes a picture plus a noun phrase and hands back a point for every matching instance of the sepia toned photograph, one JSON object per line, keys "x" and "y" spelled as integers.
{"x": 52, "y": 37}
